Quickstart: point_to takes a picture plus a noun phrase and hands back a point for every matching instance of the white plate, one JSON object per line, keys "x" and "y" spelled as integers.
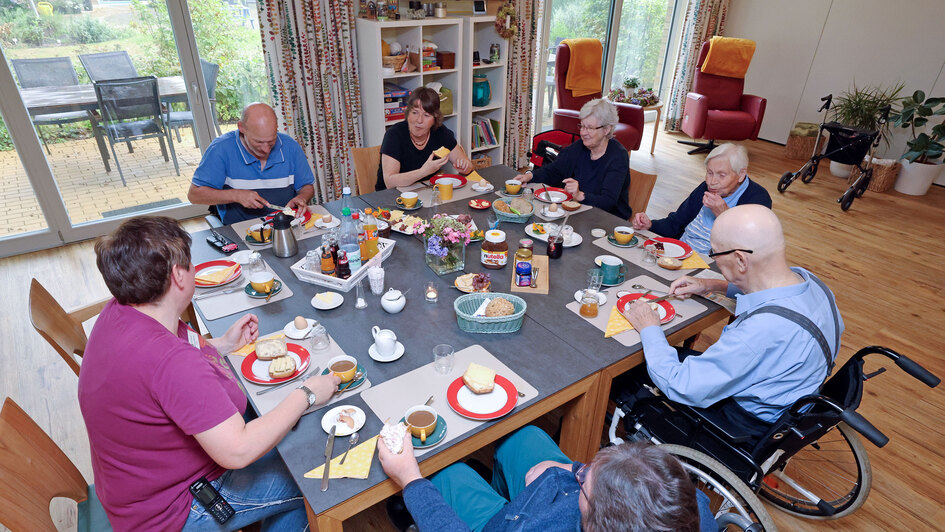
{"x": 601, "y": 297}
{"x": 485, "y": 403}
{"x": 242, "y": 256}
{"x": 342, "y": 429}
{"x": 598, "y": 232}
{"x": 552, "y": 196}
{"x": 552, "y": 215}
{"x": 398, "y": 352}
{"x": 261, "y": 367}
{"x": 477, "y": 188}
{"x": 450, "y": 181}
{"x": 335, "y": 222}
{"x": 297, "y": 334}
{"x": 337, "y": 300}
{"x": 575, "y": 239}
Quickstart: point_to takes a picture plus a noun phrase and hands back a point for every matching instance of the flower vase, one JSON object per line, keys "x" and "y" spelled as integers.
{"x": 442, "y": 256}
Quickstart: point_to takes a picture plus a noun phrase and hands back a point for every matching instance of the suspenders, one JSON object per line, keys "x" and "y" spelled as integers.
{"x": 804, "y": 322}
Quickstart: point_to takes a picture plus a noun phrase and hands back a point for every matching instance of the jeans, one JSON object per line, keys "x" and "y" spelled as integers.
{"x": 263, "y": 491}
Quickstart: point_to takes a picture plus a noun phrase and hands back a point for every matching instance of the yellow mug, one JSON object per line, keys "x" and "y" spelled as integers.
{"x": 417, "y": 430}
{"x": 623, "y": 235}
{"x": 339, "y": 366}
{"x": 261, "y": 232}
{"x": 408, "y": 199}
{"x": 513, "y": 186}
{"x": 262, "y": 282}
{"x": 445, "y": 189}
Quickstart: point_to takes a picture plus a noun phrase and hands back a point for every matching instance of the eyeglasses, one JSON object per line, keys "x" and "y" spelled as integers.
{"x": 580, "y": 475}
{"x": 584, "y": 126}
{"x": 713, "y": 253}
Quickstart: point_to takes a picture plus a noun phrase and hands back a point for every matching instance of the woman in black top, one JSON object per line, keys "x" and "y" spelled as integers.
{"x": 595, "y": 171}
{"x": 407, "y": 150}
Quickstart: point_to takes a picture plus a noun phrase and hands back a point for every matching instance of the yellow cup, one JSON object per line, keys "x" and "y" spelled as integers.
{"x": 419, "y": 431}
{"x": 344, "y": 374}
{"x": 408, "y": 199}
{"x": 261, "y": 232}
{"x": 513, "y": 186}
{"x": 262, "y": 282}
{"x": 623, "y": 235}
{"x": 445, "y": 189}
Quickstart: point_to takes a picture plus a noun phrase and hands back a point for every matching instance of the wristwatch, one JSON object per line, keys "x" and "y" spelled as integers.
{"x": 309, "y": 394}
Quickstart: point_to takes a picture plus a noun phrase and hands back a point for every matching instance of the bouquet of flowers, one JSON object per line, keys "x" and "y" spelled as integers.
{"x": 445, "y": 239}
{"x": 641, "y": 97}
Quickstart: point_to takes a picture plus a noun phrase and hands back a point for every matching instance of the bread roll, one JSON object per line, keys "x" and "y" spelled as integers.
{"x": 479, "y": 379}
{"x": 499, "y": 307}
{"x": 283, "y": 366}
{"x": 271, "y": 348}
{"x": 571, "y": 205}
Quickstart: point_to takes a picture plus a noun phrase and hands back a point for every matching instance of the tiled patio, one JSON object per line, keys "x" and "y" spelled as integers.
{"x": 90, "y": 193}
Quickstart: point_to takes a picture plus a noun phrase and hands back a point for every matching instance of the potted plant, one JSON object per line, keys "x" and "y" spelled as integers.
{"x": 444, "y": 243}
{"x": 630, "y": 85}
{"x": 861, "y": 108}
{"x": 919, "y": 166}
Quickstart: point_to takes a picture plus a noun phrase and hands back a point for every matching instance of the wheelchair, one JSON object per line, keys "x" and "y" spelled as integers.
{"x": 810, "y": 462}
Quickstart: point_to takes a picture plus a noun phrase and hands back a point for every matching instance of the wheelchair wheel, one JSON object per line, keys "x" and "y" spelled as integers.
{"x": 809, "y": 174}
{"x": 786, "y": 179}
{"x": 726, "y": 491}
{"x": 835, "y": 468}
{"x": 847, "y": 199}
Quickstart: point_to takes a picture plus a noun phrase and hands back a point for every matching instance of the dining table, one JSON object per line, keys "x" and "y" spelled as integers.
{"x": 561, "y": 355}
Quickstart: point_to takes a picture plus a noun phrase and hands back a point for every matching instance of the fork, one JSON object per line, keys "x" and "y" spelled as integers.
{"x": 220, "y": 291}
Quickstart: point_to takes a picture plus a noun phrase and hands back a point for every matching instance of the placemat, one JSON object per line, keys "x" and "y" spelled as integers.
{"x": 425, "y": 193}
{"x": 541, "y": 285}
{"x": 635, "y": 255}
{"x": 317, "y": 211}
{"x": 220, "y": 305}
{"x": 685, "y": 308}
{"x": 266, "y": 402}
{"x": 392, "y": 398}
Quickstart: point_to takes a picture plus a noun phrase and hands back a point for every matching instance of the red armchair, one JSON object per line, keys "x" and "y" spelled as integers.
{"x": 717, "y": 109}
{"x": 629, "y": 131}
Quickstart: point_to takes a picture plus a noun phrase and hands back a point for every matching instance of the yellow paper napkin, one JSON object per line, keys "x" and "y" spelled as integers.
{"x": 217, "y": 276}
{"x": 474, "y": 177}
{"x": 249, "y": 348}
{"x": 694, "y": 262}
{"x": 311, "y": 221}
{"x": 357, "y": 465}
{"x": 616, "y": 323}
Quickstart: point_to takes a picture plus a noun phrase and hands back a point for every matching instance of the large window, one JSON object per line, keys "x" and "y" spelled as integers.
{"x": 641, "y": 42}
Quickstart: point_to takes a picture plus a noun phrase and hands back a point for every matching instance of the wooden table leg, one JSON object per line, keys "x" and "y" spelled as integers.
{"x": 322, "y": 523}
{"x": 656, "y": 127}
{"x": 578, "y": 437}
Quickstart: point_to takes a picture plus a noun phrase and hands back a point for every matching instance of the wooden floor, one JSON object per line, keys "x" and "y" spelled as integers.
{"x": 883, "y": 258}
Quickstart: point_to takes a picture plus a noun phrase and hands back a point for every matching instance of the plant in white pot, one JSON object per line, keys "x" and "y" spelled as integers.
{"x": 920, "y": 166}
{"x": 861, "y": 108}
{"x": 630, "y": 86}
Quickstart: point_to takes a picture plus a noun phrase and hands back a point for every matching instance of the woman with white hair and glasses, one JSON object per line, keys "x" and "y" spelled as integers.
{"x": 726, "y": 185}
{"x": 596, "y": 171}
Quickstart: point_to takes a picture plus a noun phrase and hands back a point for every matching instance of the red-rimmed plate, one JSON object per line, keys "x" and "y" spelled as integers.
{"x": 552, "y": 194}
{"x": 257, "y": 371}
{"x": 676, "y": 249}
{"x": 305, "y": 218}
{"x": 457, "y": 180}
{"x": 665, "y": 308}
{"x": 480, "y": 204}
{"x": 216, "y": 265}
{"x": 482, "y": 407}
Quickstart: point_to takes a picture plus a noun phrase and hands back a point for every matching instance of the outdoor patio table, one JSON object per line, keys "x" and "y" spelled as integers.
{"x": 564, "y": 357}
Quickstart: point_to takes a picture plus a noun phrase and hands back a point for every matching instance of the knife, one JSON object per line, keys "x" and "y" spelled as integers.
{"x": 328, "y": 450}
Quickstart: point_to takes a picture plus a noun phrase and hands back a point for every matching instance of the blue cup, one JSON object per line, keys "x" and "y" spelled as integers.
{"x": 615, "y": 271}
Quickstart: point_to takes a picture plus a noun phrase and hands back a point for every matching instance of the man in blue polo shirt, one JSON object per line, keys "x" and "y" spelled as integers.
{"x": 245, "y": 170}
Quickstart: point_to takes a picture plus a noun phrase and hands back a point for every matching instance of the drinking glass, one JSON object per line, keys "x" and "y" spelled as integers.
{"x": 256, "y": 263}
{"x": 443, "y": 359}
{"x": 649, "y": 255}
{"x": 595, "y": 278}
{"x": 319, "y": 337}
{"x": 566, "y": 233}
{"x": 493, "y": 221}
{"x": 313, "y": 260}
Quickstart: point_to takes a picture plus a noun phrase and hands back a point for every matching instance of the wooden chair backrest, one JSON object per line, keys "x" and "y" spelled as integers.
{"x": 56, "y": 325}
{"x": 641, "y": 187}
{"x": 366, "y": 161}
{"x": 34, "y": 471}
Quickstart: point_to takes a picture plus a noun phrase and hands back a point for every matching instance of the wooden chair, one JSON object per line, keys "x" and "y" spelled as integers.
{"x": 366, "y": 161}
{"x": 63, "y": 330}
{"x": 34, "y": 471}
{"x": 641, "y": 187}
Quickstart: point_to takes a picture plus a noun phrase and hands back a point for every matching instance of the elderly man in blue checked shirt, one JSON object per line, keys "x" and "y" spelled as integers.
{"x": 245, "y": 170}
{"x": 781, "y": 345}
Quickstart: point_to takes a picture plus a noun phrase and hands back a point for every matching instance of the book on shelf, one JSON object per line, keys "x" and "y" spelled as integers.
{"x": 393, "y": 91}
{"x": 485, "y": 132}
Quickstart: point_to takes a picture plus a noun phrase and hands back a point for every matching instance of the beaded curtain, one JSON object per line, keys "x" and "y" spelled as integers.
{"x": 522, "y": 60}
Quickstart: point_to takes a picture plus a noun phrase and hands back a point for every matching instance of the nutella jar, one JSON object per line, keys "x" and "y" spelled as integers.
{"x": 495, "y": 250}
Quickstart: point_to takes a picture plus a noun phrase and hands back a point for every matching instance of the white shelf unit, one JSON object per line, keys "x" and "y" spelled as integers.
{"x": 447, "y": 33}
{"x": 479, "y": 34}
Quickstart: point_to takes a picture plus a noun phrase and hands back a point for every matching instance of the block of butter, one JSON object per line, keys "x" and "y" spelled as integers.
{"x": 442, "y": 153}
{"x": 325, "y": 297}
{"x": 217, "y": 276}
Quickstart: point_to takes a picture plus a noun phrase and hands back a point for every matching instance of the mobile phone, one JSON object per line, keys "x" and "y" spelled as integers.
{"x": 211, "y": 500}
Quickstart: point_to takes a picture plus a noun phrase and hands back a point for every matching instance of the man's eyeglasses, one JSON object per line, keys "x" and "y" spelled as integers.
{"x": 580, "y": 475}
{"x": 713, "y": 253}
{"x": 589, "y": 128}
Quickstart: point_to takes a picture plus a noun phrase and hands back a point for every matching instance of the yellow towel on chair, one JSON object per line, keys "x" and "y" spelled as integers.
{"x": 728, "y": 57}
{"x": 583, "y": 76}
{"x": 357, "y": 465}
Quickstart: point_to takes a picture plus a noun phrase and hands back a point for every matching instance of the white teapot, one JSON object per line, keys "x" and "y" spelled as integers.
{"x": 393, "y": 301}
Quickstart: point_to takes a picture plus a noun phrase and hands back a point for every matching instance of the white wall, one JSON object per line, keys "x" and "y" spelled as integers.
{"x": 810, "y": 48}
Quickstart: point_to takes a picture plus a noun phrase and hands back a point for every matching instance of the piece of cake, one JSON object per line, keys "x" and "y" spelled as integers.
{"x": 442, "y": 153}
{"x": 479, "y": 379}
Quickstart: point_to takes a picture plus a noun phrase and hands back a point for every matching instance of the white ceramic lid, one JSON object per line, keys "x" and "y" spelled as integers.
{"x": 495, "y": 236}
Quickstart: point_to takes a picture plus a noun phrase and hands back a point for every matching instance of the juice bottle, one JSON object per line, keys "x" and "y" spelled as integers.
{"x": 361, "y": 238}
{"x": 370, "y": 235}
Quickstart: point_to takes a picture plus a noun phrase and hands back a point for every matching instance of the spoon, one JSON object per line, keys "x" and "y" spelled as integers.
{"x": 429, "y": 401}
{"x": 353, "y": 380}
{"x": 351, "y": 441}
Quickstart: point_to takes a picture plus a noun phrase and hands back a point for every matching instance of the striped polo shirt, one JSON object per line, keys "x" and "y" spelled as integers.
{"x": 698, "y": 231}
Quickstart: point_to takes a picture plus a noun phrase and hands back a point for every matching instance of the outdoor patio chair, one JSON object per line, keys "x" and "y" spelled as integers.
{"x": 131, "y": 110}
{"x": 176, "y": 119}
{"x": 49, "y": 72}
{"x": 108, "y": 65}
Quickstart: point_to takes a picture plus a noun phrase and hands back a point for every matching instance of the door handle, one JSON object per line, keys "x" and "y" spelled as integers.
{"x": 194, "y": 93}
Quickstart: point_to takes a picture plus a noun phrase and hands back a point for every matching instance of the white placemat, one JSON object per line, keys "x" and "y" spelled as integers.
{"x": 268, "y": 401}
{"x": 425, "y": 193}
{"x": 316, "y": 210}
{"x": 635, "y": 256}
{"x": 220, "y": 304}
{"x": 685, "y": 308}
{"x": 392, "y": 398}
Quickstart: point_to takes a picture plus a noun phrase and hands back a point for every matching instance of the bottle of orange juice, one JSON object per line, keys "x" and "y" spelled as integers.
{"x": 370, "y": 234}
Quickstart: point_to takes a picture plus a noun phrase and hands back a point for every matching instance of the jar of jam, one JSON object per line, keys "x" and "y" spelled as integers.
{"x": 495, "y": 250}
{"x": 523, "y": 262}
{"x": 555, "y": 246}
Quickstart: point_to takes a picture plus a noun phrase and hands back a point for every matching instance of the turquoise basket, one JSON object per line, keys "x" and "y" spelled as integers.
{"x": 511, "y": 217}
{"x": 467, "y": 304}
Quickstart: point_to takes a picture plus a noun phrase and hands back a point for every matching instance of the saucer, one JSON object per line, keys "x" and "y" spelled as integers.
{"x": 438, "y": 434}
{"x": 341, "y": 428}
{"x": 552, "y": 215}
{"x": 251, "y": 292}
{"x": 477, "y": 188}
{"x": 298, "y": 334}
{"x": 398, "y": 352}
{"x": 601, "y": 297}
{"x": 598, "y": 232}
{"x": 354, "y": 384}
{"x": 632, "y": 244}
{"x": 418, "y": 205}
{"x": 335, "y": 222}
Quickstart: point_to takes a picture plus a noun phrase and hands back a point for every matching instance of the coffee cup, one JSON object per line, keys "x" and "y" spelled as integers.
{"x": 614, "y": 269}
{"x": 623, "y": 234}
{"x": 385, "y": 341}
{"x": 513, "y": 186}
{"x": 445, "y": 190}
{"x": 261, "y": 232}
{"x": 407, "y": 199}
{"x": 262, "y": 282}
{"x": 344, "y": 367}
{"x": 421, "y": 420}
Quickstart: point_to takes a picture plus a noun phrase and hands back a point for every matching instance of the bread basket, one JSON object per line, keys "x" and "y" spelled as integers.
{"x": 393, "y": 61}
{"x": 466, "y": 305}
{"x": 512, "y": 217}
